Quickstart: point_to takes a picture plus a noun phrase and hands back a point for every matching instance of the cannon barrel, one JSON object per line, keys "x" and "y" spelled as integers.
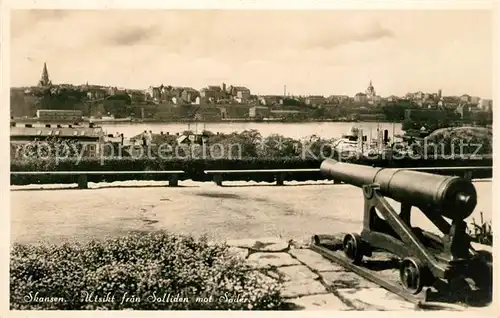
{"x": 454, "y": 197}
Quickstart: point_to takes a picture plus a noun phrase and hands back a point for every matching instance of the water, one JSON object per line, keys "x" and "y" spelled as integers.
{"x": 291, "y": 130}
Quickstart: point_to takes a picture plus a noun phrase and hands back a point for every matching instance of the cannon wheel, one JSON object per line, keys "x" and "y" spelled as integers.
{"x": 353, "y": 247}
{"x": 413, "y": 275}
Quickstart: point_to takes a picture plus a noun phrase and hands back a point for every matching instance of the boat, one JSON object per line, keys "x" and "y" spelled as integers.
{"x": 350, "y": 144}
{"x": 356, "y": 144}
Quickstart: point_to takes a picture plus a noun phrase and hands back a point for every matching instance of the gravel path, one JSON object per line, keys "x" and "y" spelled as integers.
{"x": 241, "y": 210}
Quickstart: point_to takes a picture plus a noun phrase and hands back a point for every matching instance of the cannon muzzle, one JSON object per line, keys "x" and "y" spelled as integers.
{"x": 454, "y": 197}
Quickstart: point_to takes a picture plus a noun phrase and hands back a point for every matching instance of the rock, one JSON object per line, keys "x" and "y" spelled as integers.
{"x": 268, "y": 244}
{"x": 374, "y": 299}
{"x": 299, "y": 272}
{"x": 305, "y": 287}
{"x": 301, "y": 242}
{"x": 268, "y": 260}
{"x": 319, "y": 302}
{"x": 315, "y": 260}
{"x": 346, "y": 280}
{"x": 239, "y": 252}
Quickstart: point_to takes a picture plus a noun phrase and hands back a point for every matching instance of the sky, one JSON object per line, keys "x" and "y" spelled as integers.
{"x": 311, "y": 52}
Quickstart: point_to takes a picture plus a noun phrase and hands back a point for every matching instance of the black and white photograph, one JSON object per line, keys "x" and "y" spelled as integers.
{"x": 250, "y": 159}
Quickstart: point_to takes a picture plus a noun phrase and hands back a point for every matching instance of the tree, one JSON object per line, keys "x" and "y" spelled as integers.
{"x": 276, "y": 145}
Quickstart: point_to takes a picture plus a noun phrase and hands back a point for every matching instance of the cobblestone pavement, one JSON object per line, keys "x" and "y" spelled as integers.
{"x": 310, "y": 281}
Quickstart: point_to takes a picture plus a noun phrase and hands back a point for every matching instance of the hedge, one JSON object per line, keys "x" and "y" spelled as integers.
{"x": 142, "y": 271}
{"x": 194, "y": 168}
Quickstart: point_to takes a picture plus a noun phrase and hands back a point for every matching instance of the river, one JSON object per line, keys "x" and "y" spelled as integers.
{"x": 291, "y": 130}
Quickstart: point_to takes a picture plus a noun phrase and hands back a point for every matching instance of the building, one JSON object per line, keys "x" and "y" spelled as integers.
{"x": 212, "y": 93}
{"x": 418, "y": 95}
{"x": 475, "y": 99}
{"x": 337, "y": 99}
{"x": 370, "y": 91}
{"x": 96, "y": 93}
{"x": 189, "y": 95}
{"x": 371, "y": 95}
{"x": 315, "y": 100}
{"x": 90, "y": 138}
{"x": 154, "y": 93}
{"x": 240, "y": 93}
{"x": 112, "y": 91}
{"x": 485, "y": 105}
{"x": 270, "y": 100}
{"x": 360, "y": 98}
{"x": 59, "y": 115}
{"x": 177, "y": 100}
{"x": 392, "y": 98}
{"x": 258, "y": 112}
{"x": 137, "y": 96}
{"x": 465, "y": 98}
{"x": 44, "y": 79}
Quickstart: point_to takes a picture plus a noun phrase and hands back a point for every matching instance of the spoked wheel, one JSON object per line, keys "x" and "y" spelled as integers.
{"x": 352, "y": 246}
{"x": 413, "y": 275}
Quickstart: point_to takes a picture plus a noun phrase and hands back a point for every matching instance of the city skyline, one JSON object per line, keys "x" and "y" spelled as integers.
{"x": 400, "y": 51}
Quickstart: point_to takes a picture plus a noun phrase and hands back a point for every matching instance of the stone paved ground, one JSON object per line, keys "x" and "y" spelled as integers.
{"x": 311, "y": 282}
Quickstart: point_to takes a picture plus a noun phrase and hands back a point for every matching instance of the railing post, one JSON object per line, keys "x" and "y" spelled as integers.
{"x": 280, "y": 178}
{"x": 218, "y": 179}
{"x": 82, "y": 181}
{"x": 174, "y": 180}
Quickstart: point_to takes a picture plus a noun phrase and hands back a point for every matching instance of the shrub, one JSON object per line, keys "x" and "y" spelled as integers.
{"x": 194, "y": 168}
{"x": 142, "y": 267}
{"x": 453, "y": 140}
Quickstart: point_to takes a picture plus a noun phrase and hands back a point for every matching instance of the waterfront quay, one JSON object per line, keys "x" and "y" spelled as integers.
{"x": 236, "y": 210}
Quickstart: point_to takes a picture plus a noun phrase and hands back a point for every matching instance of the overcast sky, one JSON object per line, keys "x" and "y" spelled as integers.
{"x": 311, "y": 52}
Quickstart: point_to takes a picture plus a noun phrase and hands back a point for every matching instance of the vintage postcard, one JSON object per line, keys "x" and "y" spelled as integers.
{"x": 257, "y": 157}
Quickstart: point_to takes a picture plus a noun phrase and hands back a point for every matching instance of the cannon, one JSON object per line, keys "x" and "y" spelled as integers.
{"x": 425, "y": 258}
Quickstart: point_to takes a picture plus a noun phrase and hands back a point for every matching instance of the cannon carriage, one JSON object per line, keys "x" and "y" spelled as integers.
{"x": 426, "y": 259}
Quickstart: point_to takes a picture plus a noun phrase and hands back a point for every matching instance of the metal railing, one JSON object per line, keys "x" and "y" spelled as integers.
{"x": 280, "y": 173}
{"x": 217, "y": 175}
{"x": 83, "y": 175}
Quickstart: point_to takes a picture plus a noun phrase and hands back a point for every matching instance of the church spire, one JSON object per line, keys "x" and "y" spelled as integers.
{"x": 44, "y": 80}
{"x": 370, "y": 91}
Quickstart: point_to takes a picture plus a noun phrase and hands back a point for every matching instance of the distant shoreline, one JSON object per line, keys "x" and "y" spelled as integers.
{"x": 152, "y": 121}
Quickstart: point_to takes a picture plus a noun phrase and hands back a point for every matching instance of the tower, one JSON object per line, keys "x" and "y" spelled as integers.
{"x": 44, "y": 80}
{"x": 370, "y": 91}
